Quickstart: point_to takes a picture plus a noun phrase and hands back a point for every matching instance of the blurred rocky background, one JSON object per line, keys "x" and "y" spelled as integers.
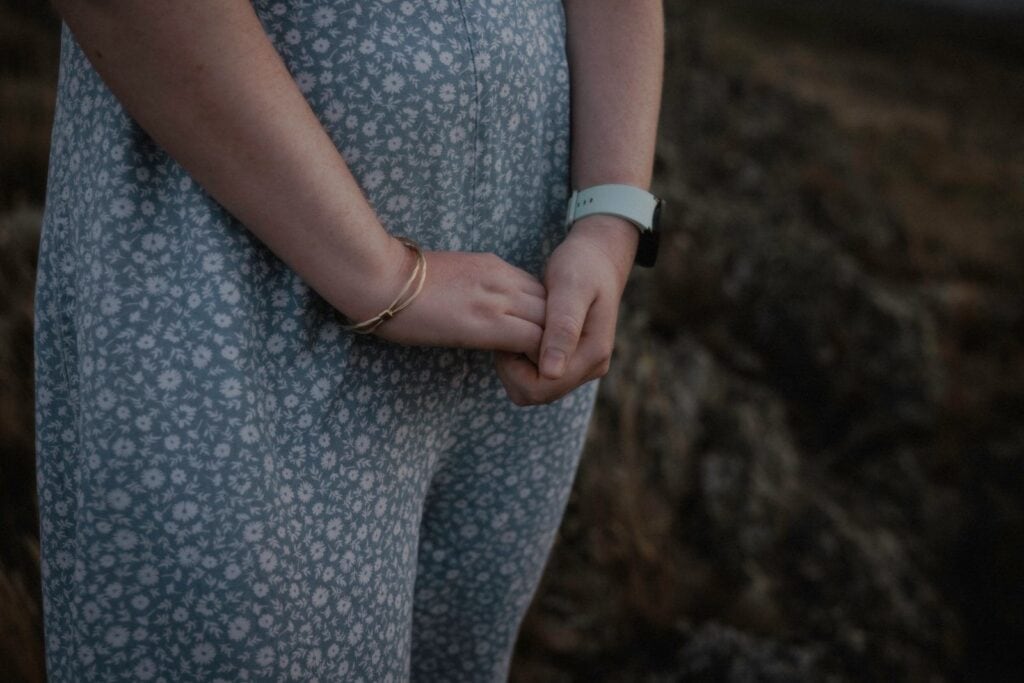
{"x": 807, "y": 461}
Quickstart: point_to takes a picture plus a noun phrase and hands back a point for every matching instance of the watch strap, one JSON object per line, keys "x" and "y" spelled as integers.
{"x": 625, "y": 201}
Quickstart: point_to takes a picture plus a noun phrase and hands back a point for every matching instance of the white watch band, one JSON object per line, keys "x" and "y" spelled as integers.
{"x": 625, "y": 201}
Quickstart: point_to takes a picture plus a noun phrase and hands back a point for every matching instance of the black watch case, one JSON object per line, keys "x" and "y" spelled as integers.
{"x": 647, "y": 247}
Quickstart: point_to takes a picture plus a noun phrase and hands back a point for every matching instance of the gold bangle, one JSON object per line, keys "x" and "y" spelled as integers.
{"x": 401, "y": 301}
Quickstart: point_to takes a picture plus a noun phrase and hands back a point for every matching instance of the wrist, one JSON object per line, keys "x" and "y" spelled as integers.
{"x": 377, "y": 279}
{"x": 616, "y": 236}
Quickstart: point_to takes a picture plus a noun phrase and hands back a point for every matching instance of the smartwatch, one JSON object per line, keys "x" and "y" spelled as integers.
{"x": 638, "y": 206}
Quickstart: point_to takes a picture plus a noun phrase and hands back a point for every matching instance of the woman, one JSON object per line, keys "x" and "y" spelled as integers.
{"x": 235, "y": 484}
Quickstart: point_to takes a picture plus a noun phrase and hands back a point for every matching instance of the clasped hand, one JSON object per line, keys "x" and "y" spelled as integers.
{"x": 548, "y": 338}
{"x": 584, "y": 279}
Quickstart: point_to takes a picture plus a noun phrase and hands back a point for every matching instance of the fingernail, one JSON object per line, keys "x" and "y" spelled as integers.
{"x": 554, "y": 363}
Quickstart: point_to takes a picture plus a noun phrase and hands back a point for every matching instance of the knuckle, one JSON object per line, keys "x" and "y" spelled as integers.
{"x": 521, "y": 400}
{"x": 603, "y": 354}
{"x": 483, "y": 308}
{"x": 533, "y": 396}
{"x": 566, "y": 325}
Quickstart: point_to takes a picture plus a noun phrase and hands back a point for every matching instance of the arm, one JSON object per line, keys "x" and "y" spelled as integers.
{"x": 205, "y": 82}
{"x": 616, "y": 56}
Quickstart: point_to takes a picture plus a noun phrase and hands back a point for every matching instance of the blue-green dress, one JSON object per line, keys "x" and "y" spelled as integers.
{"x": 231, "y": 487}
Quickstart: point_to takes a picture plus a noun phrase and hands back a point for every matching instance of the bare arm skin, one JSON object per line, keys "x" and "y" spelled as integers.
{"x": 616, "y": 61}
{"x": 205, "y": 82}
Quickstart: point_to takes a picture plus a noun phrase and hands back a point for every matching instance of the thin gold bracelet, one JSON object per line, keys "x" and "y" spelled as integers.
{"x": 420, "y": 270}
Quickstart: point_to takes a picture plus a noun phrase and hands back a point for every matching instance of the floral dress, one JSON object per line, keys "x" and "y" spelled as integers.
{"x": 231, "y": 486}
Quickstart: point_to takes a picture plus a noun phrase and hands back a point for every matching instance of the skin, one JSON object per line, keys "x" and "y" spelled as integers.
{"x": 616, "y": 56}
{"x": 205, "y": 82}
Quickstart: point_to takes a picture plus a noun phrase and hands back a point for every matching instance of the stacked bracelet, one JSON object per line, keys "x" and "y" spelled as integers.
{"x": 401, "y": 301}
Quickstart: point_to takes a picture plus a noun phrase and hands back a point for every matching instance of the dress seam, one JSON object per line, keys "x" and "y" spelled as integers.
{"x": 474, "y": 225}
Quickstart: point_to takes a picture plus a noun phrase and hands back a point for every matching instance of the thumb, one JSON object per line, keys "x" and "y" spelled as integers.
{"x": 564, "y": 315}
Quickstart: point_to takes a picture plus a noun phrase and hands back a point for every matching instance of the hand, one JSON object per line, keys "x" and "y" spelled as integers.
{"x": 585, "y": 277}
{"x": 471, "y": 300}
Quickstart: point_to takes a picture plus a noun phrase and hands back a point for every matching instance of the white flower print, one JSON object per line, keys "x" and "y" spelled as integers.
{"x": 169, "y": 380}
{"x": 231, "y": 387}
{"x": 125, "y": 539}
{"x": 374, "y": 179}
{"x": 238, "y": 628}
{"x": 118, "y": 499}
{"x": 393, "y": 82}
{"x": 122, "y": 207}
{"x": 153, "y": 241}
{"x": 422, "y": 61}
{"x": 203, "y": 653}
{"x": 156, "y": 284}
{"x": 213, "y": 263}
{"x": 253, "y": 532}
{"x": 305, "y": 80}
{"x": 123, "y": 447}
{"x": 227, "y": 453}
{"x": 145, "y": 669}
{"x": 229, "y": 293}
{"x": 184, "y": 510}
{"x": 189, "y": 555}
{"x": 324, "y": 16}
{"x": 275, "y": 343}
{"x": 201, "y": 356}
{"x": 265, "y": 656}
{"x": 267, "y": 560}
{"x": 117, "y": 636}
{"x": 110, "y": 305}
{"x": 250, "y": 433}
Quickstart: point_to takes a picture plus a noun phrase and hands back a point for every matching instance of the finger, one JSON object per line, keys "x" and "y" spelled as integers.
{"x": 566, "y": 313}
{"x": 530, "y": 284}
{"x": 590, "y": 360}
{"x": 534, "y": 287}
{"x": 528, "y": 307}
{"x": 598, "y": 340}
{"x": 525, "y": 385}
{"x": 512, "y": 369}
{"x": 516, "y": 335}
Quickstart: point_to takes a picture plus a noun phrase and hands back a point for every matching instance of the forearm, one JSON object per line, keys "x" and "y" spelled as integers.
{"x": 616, "y": 60}
{"x": 205, "y": 82}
